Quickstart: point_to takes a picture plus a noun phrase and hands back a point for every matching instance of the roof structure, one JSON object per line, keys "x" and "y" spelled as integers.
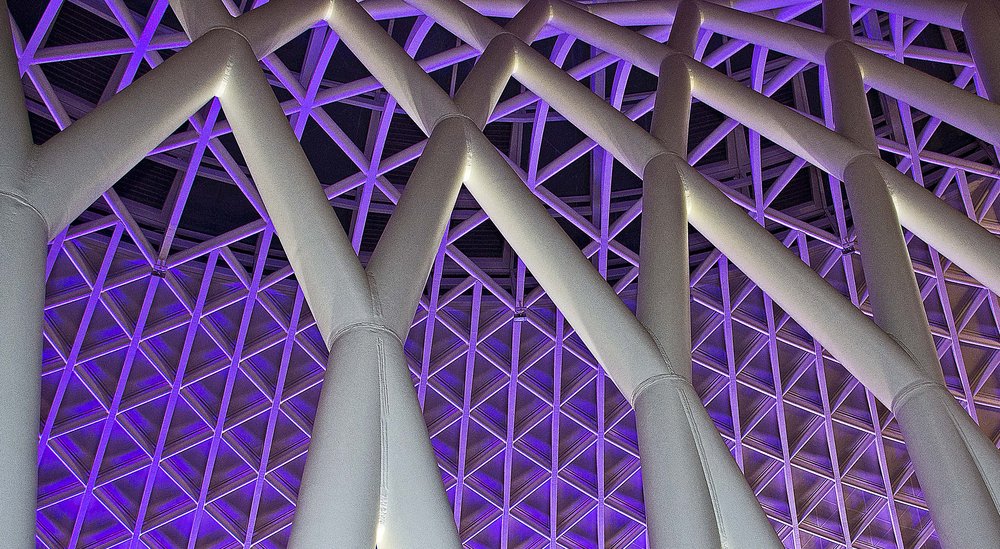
{"x": 182, "y": 367}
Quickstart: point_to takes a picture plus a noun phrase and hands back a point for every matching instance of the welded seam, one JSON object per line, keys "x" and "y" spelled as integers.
{"x": 20, "y": 200}
{"x": 365, "y": 325}
{"x": 991, "y": 487}
{"x": 653, "y": 380}
{"x": 663, "y": 353}
{"x": 938, "y": 391}
{"x": 706, "y": 470}
{"x": 373, "y": 296}
{"x": 907, "y": 392}
{"x": 674, "y": 380}
{"x": 230, "y": 29}
{"x": 233, "y": 60}
{"x": 383, "y": 397}
{"x": 449, "y": 115}
{"x": 663, "y": 151}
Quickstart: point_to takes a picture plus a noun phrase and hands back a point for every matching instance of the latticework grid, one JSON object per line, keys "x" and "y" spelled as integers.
{"x": 182, "y": 368}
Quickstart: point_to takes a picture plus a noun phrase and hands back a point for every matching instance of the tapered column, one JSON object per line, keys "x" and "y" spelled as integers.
{"x": 675, "y": 485}
{"x": 957, "y": 466}
{"x": 872, "y": 356}
{"x": 23, "y": 234}
{"x": 628, "y": 354}
{"x": 676, "y": 495}
{"x": 334, "y": 284}
{"x": 341, "y": 496}
{"x": 601, "y": 319}
{"x": 416, "y": 511}
{"x": 40, "y": 196}
{"x": 888, "y": 270}
{"x": 670, "y": 415}
{"x": 694, "y": 493}
{"x": 679, "y": 445}
{"x": 726, "y": 512}
{"x": 968, "y": 244}
{"x": 688, "y": 474}
{"x": 847, "y": 333}
{"x": 405, "y": 253}
{"x": 390, "y": 466}
{"x": 957, "y": 493}
{"x": 664, "y": 297}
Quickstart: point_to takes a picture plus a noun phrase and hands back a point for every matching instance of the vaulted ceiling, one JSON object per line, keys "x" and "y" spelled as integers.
{"x": 218, "y": 385}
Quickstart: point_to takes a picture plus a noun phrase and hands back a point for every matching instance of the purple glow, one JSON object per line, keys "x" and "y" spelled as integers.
{"x": 179, "y": 388}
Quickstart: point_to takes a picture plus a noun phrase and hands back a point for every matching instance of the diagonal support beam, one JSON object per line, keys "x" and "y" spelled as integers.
{"x": 364, "y": 315}
{"x": 900, "y": 374}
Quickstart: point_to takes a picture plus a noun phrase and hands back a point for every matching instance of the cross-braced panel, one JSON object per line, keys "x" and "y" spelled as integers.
{"x": 182, "y": 367}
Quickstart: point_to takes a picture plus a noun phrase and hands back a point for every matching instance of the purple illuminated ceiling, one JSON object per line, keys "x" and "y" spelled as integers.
{"x": 182, "y": 367}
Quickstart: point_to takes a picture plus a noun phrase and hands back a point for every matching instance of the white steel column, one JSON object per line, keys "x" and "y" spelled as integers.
{"x": 888, "y": 270}
{"x": 663, "y": 302}
{"x": 23, "y": 233}
{"x": 22, "y": 293}
{"x": 371, "y": 468}
{"x": 346, "y": 451}
{"x": 801, "y": 136}
{"x": 671, "y": 419}
{"x": 336, "y": 288}
{"x": 407, "y": 491}
{"x": 622, "y": 345}
{"x": 399, "y": 267}
{"x": 892, "y": 375}
{"x": 965, "y": 242}
{"x": 416, "y": 512}
{"x": 678, "y": 488}
{"x": 960, "y": 501}
{"x": 370, "y": 453}
{"x": 42, "y": 189}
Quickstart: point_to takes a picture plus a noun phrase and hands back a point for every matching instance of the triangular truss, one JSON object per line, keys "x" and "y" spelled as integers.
{"x": 182, "y": 367}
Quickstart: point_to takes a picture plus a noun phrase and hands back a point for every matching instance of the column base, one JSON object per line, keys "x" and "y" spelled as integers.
{"x": 955, "y": 465}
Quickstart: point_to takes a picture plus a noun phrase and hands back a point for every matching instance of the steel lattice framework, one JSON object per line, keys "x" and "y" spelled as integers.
{"x": 181, "y": 366}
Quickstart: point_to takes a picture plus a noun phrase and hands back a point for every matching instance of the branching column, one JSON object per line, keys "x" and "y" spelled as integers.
{"x": 679, "y": 484}
{"x": 23, "y": 233}
{"x": 887, "y": 368}
{"x": 978, "y": 19}
{"x": 42, "y": 189}
{"x": 870, "y": 354}
{"x": 371, "y": 474}
{"x": 965, "y": 242}
{"x": 694, "y": 492}
{"x": 370, "y": 466}
{"x": 953, "y": 474}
